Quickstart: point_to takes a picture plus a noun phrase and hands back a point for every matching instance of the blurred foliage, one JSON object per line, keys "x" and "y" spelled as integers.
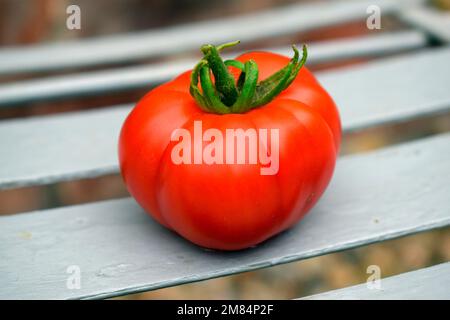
{"x": 442, "y": 4}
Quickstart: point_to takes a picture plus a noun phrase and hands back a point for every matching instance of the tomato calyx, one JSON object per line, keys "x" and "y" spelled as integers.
{"x": 225, "y": 95}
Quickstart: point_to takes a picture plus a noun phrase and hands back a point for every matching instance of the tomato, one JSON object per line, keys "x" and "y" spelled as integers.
{"x": 174, "y": 148}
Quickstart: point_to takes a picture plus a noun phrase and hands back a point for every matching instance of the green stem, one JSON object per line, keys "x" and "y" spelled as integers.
{"x": 225, "y": 94}
{"x": 193, "y": 89}
{"x": 248, "y": 88}
{"x": 269, "y": 90}
{"x": 212, "y": 98}
{"x": 227, "y": 45}
{"x": 224, "y": 81}
{"x": 234, "y": 63}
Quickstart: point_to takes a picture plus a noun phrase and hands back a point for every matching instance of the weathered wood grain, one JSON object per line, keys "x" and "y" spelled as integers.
{"x": 161, "y": 42}
{"x": 119, "y": 249}
{"x": 21, "y": 93}
{"x": 84, "y": 144}
{"x": 432, "y": 283}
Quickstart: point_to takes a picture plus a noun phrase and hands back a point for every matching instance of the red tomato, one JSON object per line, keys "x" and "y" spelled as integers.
{"x": 231, "y": 206}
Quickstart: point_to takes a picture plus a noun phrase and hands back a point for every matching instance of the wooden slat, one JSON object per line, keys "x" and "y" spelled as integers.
{"x": 42, "y": 150}
{"x": 121, "y": 79}
{"x": 119, "y": 249}
{"x": 113, "y": 49}
{"x": 81, "y": 145}
{"x": 392, "y": 90}
{"x": 431, "y": 283}
{"x": 431, "y": 20}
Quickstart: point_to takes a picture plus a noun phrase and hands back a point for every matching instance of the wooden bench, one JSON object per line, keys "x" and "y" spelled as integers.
{"x": 376, "y": 196}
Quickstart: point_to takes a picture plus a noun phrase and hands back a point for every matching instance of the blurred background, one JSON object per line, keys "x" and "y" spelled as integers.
{"x": 29, "y": 22}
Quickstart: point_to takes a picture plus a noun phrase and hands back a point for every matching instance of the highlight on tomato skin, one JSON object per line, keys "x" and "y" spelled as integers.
{"x": 232, "y": 152}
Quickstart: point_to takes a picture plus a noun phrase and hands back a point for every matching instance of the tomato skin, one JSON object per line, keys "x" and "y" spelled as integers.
{"x": 231, "y": 206}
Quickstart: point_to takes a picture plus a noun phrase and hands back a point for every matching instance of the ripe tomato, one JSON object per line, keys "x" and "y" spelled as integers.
{"x": 230, "y": 205}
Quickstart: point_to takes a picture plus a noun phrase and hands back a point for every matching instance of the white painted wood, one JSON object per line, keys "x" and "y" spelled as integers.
{"x": 84, "y": 144}
{"x": 391, "y": 90}
{"x": 47, "y": 149}
{"x": 431, "y": 20}
{"x": 373, "y": 197}
{"x": 121, "y": 79}
{"x": 432, "y": 283}
{"x": 161, "y": 42}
